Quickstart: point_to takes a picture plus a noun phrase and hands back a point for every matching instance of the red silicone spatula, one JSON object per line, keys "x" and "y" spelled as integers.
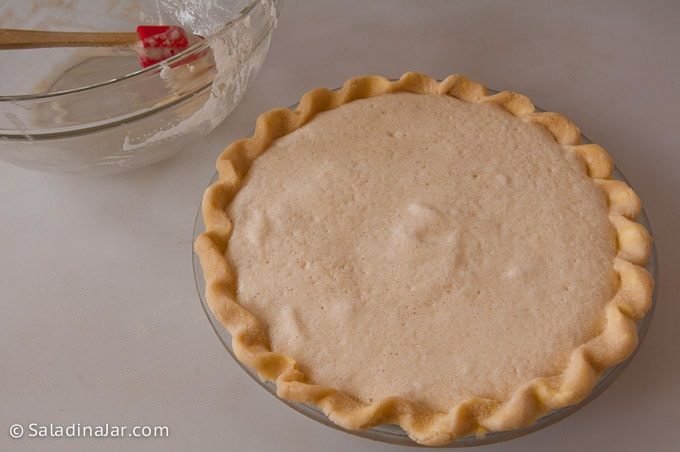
{"x": 153, "y": 43}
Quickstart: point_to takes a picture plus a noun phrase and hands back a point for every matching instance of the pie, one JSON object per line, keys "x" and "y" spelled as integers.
{"x": 421, "y": 253}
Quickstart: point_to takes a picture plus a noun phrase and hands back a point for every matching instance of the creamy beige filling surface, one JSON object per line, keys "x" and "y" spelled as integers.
{"x": 420, "y": 246}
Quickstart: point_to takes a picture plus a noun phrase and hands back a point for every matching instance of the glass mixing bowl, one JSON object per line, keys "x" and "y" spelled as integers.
{"x": 93, "y": 111}
{"x": 393, "y": 434}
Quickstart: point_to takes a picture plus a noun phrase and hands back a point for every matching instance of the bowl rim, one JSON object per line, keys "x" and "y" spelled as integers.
{"x": 199, "y": 46}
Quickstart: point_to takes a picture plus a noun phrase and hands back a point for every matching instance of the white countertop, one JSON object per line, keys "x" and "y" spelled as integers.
{"x": 100, "y": 317}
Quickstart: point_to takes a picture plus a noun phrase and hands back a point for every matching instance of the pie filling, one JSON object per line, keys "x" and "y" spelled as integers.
{"x": 416, "y": 245}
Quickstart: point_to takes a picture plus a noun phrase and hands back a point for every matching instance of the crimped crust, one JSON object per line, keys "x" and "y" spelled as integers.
{"x": 250, "y": 341}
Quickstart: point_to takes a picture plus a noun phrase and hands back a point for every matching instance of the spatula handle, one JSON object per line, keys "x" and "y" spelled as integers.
{"x": 34, "y": 39}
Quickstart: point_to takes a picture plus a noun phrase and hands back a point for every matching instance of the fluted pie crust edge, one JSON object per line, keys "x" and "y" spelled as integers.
{"x": 586, "y": 363}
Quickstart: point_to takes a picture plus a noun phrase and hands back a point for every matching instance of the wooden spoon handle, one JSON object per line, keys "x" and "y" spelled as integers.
{"x": 34, "y": 39}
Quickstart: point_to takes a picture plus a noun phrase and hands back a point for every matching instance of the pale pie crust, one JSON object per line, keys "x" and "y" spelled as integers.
{"x": 437, "y": 258}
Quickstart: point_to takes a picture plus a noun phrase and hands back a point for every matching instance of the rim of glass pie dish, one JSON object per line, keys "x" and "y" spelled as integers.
{"x": 393, "y": 434}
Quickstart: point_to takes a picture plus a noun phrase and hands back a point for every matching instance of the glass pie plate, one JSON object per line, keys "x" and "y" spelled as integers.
{"x": 393, "y": 434}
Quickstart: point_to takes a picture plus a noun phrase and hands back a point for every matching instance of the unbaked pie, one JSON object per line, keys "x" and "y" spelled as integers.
{"x": 420, "y": 253}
